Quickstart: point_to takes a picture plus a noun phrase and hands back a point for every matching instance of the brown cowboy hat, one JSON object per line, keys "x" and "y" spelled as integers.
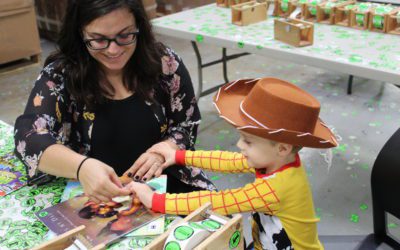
{"x": 276, "y": 110}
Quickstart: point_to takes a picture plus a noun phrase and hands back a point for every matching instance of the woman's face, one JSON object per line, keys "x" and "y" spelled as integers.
{"x": 116, "y": 24}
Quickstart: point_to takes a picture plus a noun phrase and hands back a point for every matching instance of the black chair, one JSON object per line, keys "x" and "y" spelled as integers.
{"x": 385, "y": 186}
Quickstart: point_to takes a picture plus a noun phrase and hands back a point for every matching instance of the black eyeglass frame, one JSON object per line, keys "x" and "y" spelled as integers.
{"x": 109, "y": 40}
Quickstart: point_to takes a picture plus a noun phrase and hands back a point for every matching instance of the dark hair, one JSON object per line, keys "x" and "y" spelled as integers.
{"x": 82, "y": 72}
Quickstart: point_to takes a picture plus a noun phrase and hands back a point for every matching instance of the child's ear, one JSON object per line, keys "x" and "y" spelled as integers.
{"x": 284, "y": 149}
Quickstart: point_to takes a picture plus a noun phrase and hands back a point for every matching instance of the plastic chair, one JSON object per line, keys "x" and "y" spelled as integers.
{"x": 385, "y": 187}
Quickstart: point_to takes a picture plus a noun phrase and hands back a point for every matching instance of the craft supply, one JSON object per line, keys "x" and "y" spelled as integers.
{"x": 186, "y": 236}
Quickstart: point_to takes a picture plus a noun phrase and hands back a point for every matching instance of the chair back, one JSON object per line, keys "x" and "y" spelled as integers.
{"x": 385, "y": 186}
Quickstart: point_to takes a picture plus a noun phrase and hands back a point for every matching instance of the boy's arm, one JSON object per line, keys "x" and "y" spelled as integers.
{"x": 218, "y": 161}
{"x": 257, "y": 196}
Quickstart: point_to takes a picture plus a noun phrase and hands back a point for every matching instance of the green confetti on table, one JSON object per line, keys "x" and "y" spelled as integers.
{"x": 215, "y": 177}
{"x": 375, "y": 124}
{"x": 199, "y": 38}
{"x": 354, "y": 218}
{"x": 363, "y": 207}
{"x": 241, "y": 45}
{"x": 259, "y": 46}
{"x": 355, "y": 58}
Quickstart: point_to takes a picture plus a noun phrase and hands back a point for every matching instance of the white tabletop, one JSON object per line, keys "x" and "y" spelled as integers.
{"x": 361, "y": 53}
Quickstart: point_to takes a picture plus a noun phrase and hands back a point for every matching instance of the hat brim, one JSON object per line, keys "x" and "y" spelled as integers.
{"x": 228, "y": 100}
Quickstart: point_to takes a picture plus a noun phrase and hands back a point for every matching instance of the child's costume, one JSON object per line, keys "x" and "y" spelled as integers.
{"x": 284, "y": 216}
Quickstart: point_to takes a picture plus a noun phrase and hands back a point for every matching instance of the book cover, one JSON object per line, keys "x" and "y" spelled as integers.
{"x": 12, "y": 174}
{"x": 104, "y": 222}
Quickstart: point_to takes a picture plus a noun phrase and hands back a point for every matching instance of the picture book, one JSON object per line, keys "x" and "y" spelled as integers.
{"x": 104, "y": 222}
{"x": 12, "y": 174}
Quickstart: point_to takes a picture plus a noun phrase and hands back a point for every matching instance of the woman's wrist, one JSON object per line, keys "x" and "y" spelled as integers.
{"x": 80, "y": 167}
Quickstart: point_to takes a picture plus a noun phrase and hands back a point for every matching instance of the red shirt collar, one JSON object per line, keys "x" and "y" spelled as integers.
{"x": 260, "y": 172}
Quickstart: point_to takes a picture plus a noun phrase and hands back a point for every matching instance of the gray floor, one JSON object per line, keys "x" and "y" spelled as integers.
{"x": 363, "y": 121}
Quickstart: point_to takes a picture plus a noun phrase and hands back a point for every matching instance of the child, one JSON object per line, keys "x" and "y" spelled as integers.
{"x": 275, "y": 119}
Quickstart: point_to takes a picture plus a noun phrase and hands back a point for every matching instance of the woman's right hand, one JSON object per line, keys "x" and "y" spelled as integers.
{"x": 100, "y": 182}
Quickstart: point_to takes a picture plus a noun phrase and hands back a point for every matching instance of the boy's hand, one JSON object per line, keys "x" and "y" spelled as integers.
{"x": 167, "y": 151}
{"x": 142, "y": 191}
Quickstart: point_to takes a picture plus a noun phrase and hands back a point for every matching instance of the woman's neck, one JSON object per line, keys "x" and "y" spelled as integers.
{"x": 120, "y": 91}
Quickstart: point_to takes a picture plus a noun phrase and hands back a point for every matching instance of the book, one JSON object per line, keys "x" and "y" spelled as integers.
{"x": 104, "y": 222}
{"x": 12, "y": 174}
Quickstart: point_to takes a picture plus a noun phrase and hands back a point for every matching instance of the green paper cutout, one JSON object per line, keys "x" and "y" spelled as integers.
{"x": 377, "y": 21}
{"x": 354, "y": 218}
{"x": 199, "y": 38}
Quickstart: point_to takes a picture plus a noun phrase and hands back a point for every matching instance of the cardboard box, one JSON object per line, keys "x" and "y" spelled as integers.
{"x": 249, "y": 12}
{"x": 294, "y": 32}
{"x": 19, "y": 37}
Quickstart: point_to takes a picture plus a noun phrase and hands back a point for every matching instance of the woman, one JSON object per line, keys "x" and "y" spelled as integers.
{"x": 108, "y": 94}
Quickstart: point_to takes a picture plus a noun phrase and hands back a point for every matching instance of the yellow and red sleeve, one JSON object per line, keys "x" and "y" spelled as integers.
{"x": 217, "y": 161}
{"x": 257, "y": 196}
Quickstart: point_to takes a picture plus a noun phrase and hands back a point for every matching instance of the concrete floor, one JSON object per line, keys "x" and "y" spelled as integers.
{"x": 363, "y": 121}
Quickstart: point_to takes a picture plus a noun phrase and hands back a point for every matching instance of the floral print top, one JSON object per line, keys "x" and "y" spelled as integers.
{"x": 53, "y": 116}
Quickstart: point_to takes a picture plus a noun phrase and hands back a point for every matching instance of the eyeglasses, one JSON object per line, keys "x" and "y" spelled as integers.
{"x": 104, "y": 43}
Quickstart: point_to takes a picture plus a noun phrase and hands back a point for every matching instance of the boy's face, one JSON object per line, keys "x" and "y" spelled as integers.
{"x": 259, "y": 152}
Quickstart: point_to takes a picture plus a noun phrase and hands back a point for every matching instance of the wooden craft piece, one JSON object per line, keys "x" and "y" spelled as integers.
{"x": 393, "y": 22}
{"x": 326, "y": 11}
{"x": 249, "y": 12}
{"x": 229, "y": 236}
{"x": 294, "y": 32}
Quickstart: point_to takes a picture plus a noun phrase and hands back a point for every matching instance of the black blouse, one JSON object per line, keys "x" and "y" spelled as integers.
{"x": 114, "y": 141}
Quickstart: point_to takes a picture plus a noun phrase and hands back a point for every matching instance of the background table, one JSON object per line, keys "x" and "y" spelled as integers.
{"x": 355, "y": 52}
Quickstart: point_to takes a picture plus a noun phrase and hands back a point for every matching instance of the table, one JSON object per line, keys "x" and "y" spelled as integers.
{"x": 19, "y": 228}
{"x": 354, "y": 52}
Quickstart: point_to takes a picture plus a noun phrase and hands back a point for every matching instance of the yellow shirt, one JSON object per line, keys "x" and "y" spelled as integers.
{"x": 281, "y": 201}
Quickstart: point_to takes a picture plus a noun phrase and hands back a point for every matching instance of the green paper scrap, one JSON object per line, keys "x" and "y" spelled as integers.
{"x": 215, "y": 178}
{"x": 392, "y": 225}
{"x": 363, "y": 7}
{"x": 354, "y": 218}
{"x": 363, "y": 207}
{"x": 328, "y": 7}
{"x": 285, "y": 5}
{"x": 199, "y": 38}
{"x": 377, "y": 21}
{"x": 360, "y": 19}
{"x": 349, "y": 7}
{"x": 241, "y": 45}
{"x": 313, "y": 10}
{"x": 355, "y": 58}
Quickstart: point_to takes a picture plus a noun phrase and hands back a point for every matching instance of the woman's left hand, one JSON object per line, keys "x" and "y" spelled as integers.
{"x": 145, "y": 166}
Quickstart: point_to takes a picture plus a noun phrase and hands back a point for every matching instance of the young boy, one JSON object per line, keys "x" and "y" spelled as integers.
{"x": 275, "y": 119}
